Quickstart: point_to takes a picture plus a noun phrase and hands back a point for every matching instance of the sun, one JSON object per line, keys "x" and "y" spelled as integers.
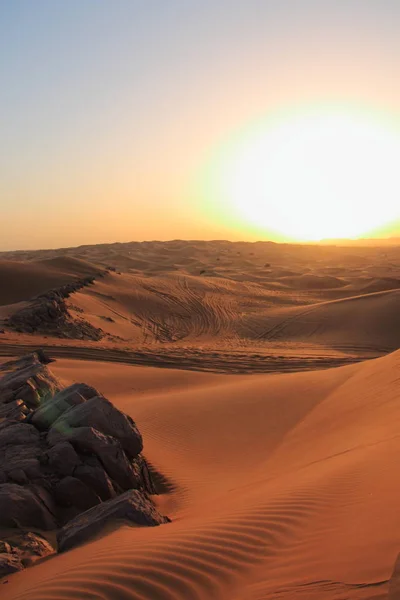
{"x": 321, "y": 174}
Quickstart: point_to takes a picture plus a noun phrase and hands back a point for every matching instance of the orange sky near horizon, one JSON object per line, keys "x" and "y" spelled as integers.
{"x": 113, "y": 113}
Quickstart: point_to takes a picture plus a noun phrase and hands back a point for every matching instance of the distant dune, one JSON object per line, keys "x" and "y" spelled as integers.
{"x": 23, "y": 280}
{"x": 312, "y": 282}
{"x": 221, "y": 293}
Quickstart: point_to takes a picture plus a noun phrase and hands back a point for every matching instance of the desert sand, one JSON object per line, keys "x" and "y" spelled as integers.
{"x": 274, "y": 420}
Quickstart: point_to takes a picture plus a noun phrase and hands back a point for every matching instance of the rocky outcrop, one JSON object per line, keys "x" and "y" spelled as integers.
{"x": 69, "y": 460}
{"x": 21, "y": 551}
{"x": 131, "y": 506}
{"x": 48, "y": 314}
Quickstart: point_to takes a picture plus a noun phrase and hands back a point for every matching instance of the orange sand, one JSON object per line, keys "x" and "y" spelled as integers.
{"x": 280, "y": 486}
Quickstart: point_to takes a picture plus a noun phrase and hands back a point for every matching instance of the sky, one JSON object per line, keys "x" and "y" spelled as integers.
{"x": 113, "y": 113}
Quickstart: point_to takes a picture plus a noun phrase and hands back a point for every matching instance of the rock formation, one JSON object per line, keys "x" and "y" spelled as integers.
{"x": 69, "y": 461}
{"x": 48, "y": 314}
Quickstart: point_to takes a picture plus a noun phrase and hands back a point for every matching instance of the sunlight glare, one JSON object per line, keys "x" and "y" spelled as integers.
{"x": 320, "y": 175}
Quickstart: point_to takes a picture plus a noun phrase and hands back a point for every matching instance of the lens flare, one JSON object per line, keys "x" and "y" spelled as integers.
{"x": 318, "y": 175}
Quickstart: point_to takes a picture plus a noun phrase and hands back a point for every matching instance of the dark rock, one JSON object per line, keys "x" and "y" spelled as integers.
{"x": 6, "y": 396}
{"x": 71, "y": 491}
{"x": 145, "y": 476}
{"x": 19, "y": 434}
{"x": 48, "y": 313}
{"x": 23, "y": 550}
{"x": 51, "y": 410}
{"x": 63, "y": 459}
{"x": 27, "y": 373}
{"x": 30, "y": 546}
{"x": 5, "y": 547}
{"x": 15, "y": 410}
{"x": 9, "y": 563}
{"x": 20, "y": 457}
{"x": 21, "y": 507}
{"x": 131, "y": 506}
{"x": 94, "y": 476}
{"x": 18, "y": 476}
{"x": 100, "y": 414}
{"x": 43, "y": 357}
{"x": 29, "y": 394}
{"x": 107, "y": 449}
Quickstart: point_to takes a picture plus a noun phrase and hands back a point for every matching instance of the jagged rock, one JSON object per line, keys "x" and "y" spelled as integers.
{"x": 14, "y": 411}
{"x": 19, "y": 434}
{"x": 27, "y": 377}
{"x": 131, "y": 506}
{"x": 106, "y": 448}
{"x": 43, "y": 357}
{"x": 93, "y": 474}
{"x": 17, "y": 458}
{"x": 5, "y": 547}
{"x": 18, "y": 476}
{"x": 48, "y": 313}
{"x": 6, "y": 396}
{"x": 102, "y": 415}
{"x": 9, "y": 563}
{"x": 23, "y": 551}
{"x": 15, "y": 380}
{"x": 30, "y": 546}
{"x": 51, "y": 410}
{"x": 71, "y": 491}
{"x": 29, "y": 394}
{"x": 63, "y": 459}
{"x": 21, "y": 507}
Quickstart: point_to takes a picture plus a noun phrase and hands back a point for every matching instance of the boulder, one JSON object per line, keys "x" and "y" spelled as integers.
{"x": 31, "y": 373}
{"x": 15, "y": 411}
{"x": 30, "y": 547}
{"x": 102, "y": 415}
{"x": 29, "y": 394}
{"x": 21, "y": 463}
{"x": 63, "y": 459}
{"x": 23, "y": 550}
{"x": 93, "y": 475}
{"x": 108, "y": 450}
{"x": 9, "y": 563}
{"x": 51, "y": 410}
{"x": 6, "y": 396}
{"x": 131, "y": 506}
{"x": 21, "y": 507}
{"x": 71, "y": 491}
{"x": 18, "y": 476}
{"x": 21, "y": 434}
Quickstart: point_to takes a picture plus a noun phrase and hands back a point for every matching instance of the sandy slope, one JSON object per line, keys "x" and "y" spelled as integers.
{"x": 281, "y": 486}
{"x": 23, "y": 280}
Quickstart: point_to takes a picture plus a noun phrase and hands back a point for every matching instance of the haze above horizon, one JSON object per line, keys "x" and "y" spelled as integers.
{"x": 198, "y": 120}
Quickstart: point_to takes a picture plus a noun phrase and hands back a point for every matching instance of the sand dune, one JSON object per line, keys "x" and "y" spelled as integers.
{"x": 23, "y": 280}
{"x": 360, "y": 321}
{"x": 160, "y": 301}
{"x": 312, "y": 282}
{"x": 280, "y": 486}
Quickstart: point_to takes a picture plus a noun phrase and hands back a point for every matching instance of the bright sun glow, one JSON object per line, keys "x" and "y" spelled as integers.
{"x": 320, "y": 175}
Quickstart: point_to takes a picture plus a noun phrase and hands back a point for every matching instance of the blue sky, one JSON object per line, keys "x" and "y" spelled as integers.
{"x": 109, "y": 109}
